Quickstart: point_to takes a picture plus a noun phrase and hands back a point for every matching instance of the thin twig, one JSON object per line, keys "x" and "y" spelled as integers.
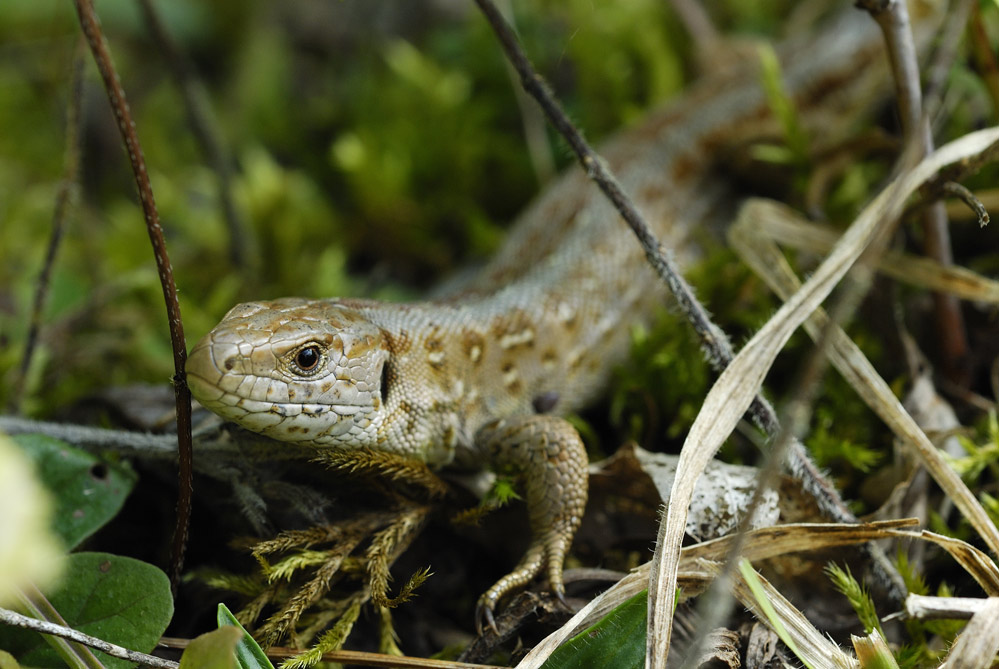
{"x": 924, "y": 607}
{"x": 892, "y": 16}
{"x": 242, "y": 242}
{"x": 126, "y": 126}
{"x": 967, "y": 197}
{"x": 63, "y": 198}
{"x": 945, "y": 55}
{"x": 15, "y": 619}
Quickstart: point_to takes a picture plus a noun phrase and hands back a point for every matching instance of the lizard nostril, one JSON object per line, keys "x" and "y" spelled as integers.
{"x": 229, "y": 363}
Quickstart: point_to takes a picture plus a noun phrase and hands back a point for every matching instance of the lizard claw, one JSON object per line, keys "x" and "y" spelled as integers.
{"x": 484, "y": 611}
{"x": 560, "y": 596}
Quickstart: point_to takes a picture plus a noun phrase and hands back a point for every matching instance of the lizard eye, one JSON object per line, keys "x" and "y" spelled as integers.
{"x": 308, "y": 358}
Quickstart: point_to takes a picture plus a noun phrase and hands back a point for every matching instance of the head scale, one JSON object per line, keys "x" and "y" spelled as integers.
{"x": 297, "y": 370}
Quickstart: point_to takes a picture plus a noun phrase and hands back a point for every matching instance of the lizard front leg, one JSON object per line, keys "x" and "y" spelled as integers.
{"x": 547, "y": 453}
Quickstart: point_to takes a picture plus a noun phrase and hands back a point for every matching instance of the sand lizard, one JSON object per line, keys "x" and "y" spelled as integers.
{"x": 481, "y": 377}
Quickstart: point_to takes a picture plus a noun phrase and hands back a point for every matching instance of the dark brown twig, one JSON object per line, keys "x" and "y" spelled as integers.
{"x": 242, "y": 242}
{"x": 966, "y": 196}
{"x": 63, "y": 198}
{"x": 892, "y": 16}
{"x": 126, "y": 126}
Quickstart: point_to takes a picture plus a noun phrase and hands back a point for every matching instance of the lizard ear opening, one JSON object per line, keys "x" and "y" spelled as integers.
{"x": 384, "y": 382}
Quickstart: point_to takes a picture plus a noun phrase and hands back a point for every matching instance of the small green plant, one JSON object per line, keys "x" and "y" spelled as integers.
{"x": 857, "y": 595}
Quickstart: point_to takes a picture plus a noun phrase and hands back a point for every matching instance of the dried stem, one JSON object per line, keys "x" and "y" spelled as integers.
{"x": 946, "y": 53}
{"x": 892, "y": 16}
{"x": 63, "y": 197}
{"x": 967, "y": 197}
{"x": 126, "y": 126}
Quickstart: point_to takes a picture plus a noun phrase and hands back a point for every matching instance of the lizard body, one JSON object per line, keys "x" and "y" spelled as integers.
{"x": 462, "y": 378}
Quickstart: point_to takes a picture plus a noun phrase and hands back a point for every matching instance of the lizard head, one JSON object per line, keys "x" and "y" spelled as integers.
{"x": 297, "y": 370}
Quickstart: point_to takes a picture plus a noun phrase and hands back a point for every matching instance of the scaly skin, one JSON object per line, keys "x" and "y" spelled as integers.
{"x": 459, "y": 379}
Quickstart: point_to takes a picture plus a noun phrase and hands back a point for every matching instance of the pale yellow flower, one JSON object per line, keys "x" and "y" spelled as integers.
{"x": 29, "y": 550}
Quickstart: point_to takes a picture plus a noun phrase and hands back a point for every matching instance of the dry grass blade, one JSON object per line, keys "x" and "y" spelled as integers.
{"x": 599, "y": 606}
{"x": 786, "y": 226}
{"x": 760, "y": 544}
{"x": 365, "y": 659}
{"x": 698, "y": 566}
{"x": 812, "y": 647}
{"x": 979, "y": 642}
{"x": 739, "y": 383}
{"x": 768, "y": 542}
{"x": 979, "y": 565}
{"x": 846, "y": 356}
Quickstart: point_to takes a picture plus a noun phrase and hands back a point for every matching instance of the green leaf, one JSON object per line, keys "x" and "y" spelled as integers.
{"x": 616, "y": 641}
{"x": 213, "y": 650}
{"x": 118, "y": 599}
{"x": 248, "y": 652}
{"x": 88, "y": 491}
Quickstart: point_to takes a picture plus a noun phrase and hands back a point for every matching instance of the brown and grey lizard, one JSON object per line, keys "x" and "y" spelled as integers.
{"x": 482, "y": 376}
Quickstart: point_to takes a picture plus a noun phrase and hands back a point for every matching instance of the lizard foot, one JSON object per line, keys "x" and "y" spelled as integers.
{"x": 548, "y": 453}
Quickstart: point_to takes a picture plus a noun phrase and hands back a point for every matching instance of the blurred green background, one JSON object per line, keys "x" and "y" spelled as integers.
{"x": 375, "y": 147}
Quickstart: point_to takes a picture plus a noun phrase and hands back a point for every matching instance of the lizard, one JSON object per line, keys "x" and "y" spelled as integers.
{"x": 483, "y": 376}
